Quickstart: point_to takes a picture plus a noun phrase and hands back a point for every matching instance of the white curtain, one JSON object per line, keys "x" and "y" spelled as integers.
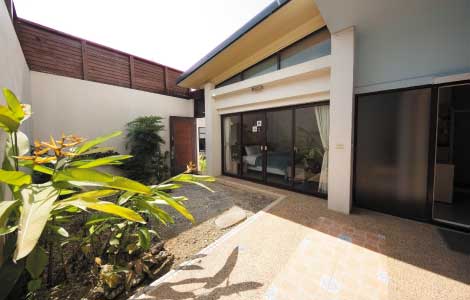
{"x": 228, "y": 154}
{"x": 322, "y": 114}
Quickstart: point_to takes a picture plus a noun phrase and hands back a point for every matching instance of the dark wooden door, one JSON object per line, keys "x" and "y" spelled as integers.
{"x": 182, "y": 143}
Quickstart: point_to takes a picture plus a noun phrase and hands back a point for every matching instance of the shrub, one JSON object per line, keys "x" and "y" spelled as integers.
{"x": 149, "y": 163}
{"x": 37, "y": 214}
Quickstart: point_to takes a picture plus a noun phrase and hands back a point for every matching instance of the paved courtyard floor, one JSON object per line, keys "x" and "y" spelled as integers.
{"x": 297, "y": 249}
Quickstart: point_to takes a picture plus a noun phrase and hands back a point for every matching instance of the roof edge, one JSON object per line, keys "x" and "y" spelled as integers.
{"x": 260, "y": 17}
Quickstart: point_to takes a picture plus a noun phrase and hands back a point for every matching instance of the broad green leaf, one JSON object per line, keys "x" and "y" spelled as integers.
{"x": 103, "y": 206}
{"x": 193, "y": 179}
{"x": 13, "y": 104}
{"x": 36, "y": 262}
{"x": 37, "y": 205}
{"x": 144, "y": 238}
{"x": 109, "y": 160}
{"x": 9, "y": 273}
{"x": 125, "y": 197}
{"x": 155, "y": 211}
{"x": 92, "y": 143}
{"x": 23, "y": 149}
{"x": 8, "y": 121}
{"x": 93, "y": 194}
{"x": 34, "y": 285}
{"x": 59, "y": 230}
{"x": 65, "y": 192}
{"x": 164, "y": 187}
{"x": 43, "y": 169}
{"x": 98, "y": 150}
{"x": 176, "y": 205}
{"x": 7, "y": 230}
{"x": 16, "y": 178}
{"x": 6, "y": 208}
{"x": 98, "y": 218}
{"x": 93, "y": 177}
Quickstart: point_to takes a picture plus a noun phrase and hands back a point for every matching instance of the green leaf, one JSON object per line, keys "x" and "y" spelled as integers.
{"x": 8, "y": 121}
{"x": 23, "y": 149}
{"x": 36, "y": 167}
{"x": 193, "y": 179}
{"x": 144, "y": 238}
{"x": 9, "y": 273}
{"x": 98, "y": 150}
{"x": 88, "y": 145}
{"x": 167, "y": 186}
{"x": 37, "y": 205}
{"x": 6, "y": 208}
{"x": 16, "y": 178}
{"x": 34, "y": 285}
{"x": 125, "y": 197}
{"x": 36, "y": 262}
{"x": 98, "y": 218}
{"x": 155, "y": 211}
{"x": 7, "y": 230}
{"x": 13, "y": 104}
{"x": 93, "y": 177}
{"x": 94, "y": 194}
{"x": 104, "y": 161}
{"x": 85, "y": 203}
{"x": 176, "y": 205}
{"x": 59, "y": 230}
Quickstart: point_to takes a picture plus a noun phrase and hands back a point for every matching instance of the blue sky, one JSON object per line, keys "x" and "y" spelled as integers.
{"x": 176, "y": 33}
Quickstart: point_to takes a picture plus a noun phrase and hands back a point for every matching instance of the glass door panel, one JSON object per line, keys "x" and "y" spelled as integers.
{"x": 452, "y": 165}
{"x": 254, "y": 141}
{"x": 231, "y": 144}
{"x": 311, "y": 149}
{"x": 279, "y": 146}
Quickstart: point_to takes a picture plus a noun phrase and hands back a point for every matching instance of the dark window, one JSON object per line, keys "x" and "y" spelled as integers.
{"x": 309, "y": 48}
{"x": 313, "y": 46}
{"x": 266, "y": 66}
{"x": 202, "y": 139}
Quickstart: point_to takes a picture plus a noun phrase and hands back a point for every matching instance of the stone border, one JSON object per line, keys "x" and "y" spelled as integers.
{"x": 208, "y": 249}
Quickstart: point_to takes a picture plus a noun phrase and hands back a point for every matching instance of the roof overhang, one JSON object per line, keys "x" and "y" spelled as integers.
{"x": 277, "y": 26}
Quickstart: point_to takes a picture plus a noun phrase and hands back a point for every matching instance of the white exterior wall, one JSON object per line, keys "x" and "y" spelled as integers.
{"x": 326, "y": 78}
{"x": 341, "y": 121}
{"x": 90, "y": 109}
{"x": 14, "y": 72}
{"x": 304, "y": 83}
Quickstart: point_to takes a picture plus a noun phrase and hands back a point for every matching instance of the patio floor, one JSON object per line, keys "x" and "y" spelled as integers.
{"x": 300, "y": 250}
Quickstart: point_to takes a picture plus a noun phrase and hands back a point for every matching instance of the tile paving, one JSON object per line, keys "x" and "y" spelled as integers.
{"x": 301, "y": 250}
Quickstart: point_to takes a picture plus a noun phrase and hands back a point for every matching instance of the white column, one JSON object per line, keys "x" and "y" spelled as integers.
{"x": 341, "y": 121}
{"x": 213, "y": 133}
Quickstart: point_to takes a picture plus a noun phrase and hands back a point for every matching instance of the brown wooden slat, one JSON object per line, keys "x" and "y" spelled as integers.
{"x": 50, "y": 51}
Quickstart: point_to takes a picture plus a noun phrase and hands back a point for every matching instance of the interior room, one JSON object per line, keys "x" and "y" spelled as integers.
{"x": 452, "y": 168}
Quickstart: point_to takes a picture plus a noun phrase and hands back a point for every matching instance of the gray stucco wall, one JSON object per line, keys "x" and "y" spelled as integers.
{"x": 398, "y": 40}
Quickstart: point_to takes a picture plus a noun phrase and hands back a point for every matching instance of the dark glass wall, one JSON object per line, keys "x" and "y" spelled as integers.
{"x": 392, "y": 150}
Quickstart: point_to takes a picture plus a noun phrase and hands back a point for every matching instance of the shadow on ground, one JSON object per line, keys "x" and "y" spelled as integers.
{"x": 210, "y": 288}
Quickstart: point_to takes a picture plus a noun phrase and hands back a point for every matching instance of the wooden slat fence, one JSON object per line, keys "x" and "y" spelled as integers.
{"x": 50, "y": 51}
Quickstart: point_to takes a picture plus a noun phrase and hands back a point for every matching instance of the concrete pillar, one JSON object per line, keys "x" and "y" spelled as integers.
{"x": 213, "y": 134}
{"x": 341, "y": 121}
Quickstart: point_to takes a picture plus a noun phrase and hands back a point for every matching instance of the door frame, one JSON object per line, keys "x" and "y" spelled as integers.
{"x": 172, "y": 142}
{"x": 239, "y": 173}
{"x": 442, "y": 222}
{"x": 431, "y": 150}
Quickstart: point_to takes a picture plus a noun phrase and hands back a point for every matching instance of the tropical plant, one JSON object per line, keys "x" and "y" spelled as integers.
{"x": 202, "y": 163}
{"x": 33, "y": 216}
{"x": 149, "y": 163}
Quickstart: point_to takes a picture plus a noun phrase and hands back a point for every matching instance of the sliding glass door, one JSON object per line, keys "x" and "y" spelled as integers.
{"x": 311, "y": 149}
{"x": 279, "y": 147}
{"x": 253, "y": 145}
{"x": 231, "y": 144}
{"x": 286, "y": 147}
